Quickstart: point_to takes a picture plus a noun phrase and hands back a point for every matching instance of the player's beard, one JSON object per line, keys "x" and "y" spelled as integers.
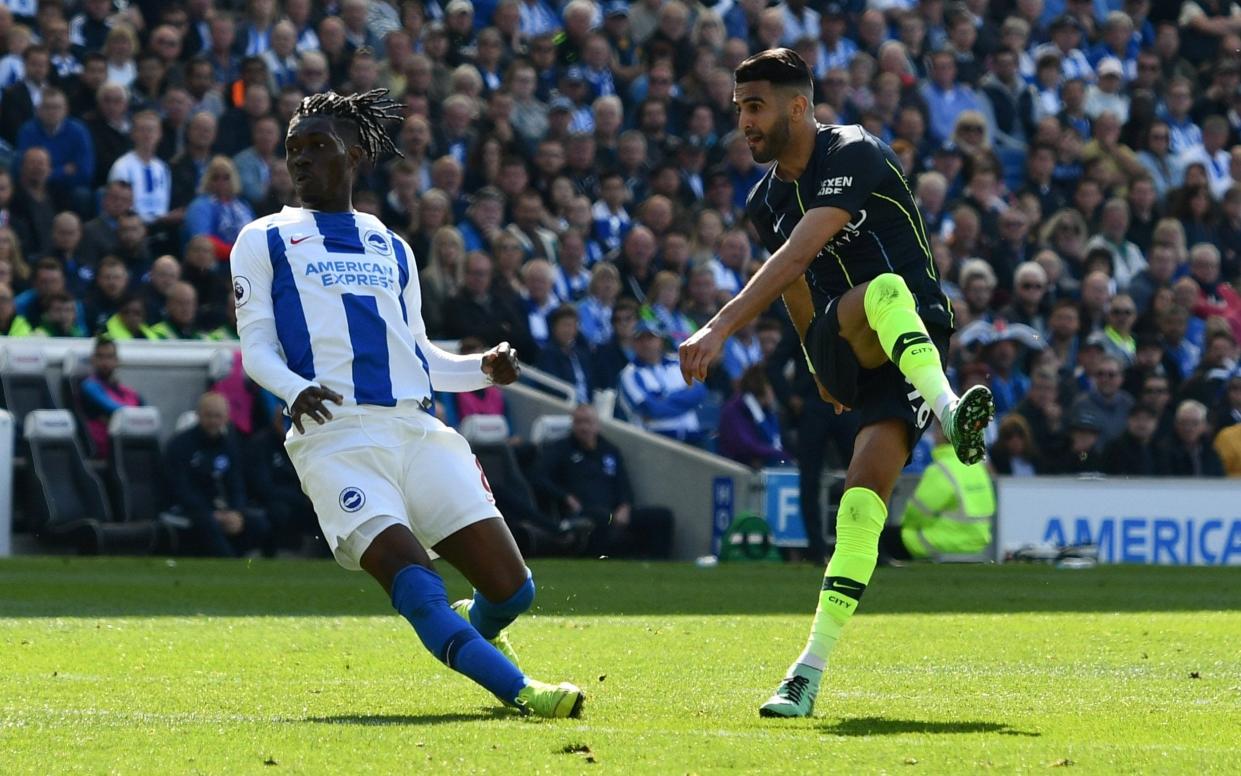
{"x": 773, "y": 142}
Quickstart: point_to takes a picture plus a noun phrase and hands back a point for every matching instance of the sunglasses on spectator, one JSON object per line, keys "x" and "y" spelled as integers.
{"x": 1032, "y": 286}
{"x": 1123, "y": 311}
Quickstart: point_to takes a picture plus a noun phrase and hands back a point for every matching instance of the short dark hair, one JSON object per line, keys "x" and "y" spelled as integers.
{"x": 48, "y": 263}
{"x": 782, "y": 67}
{"x": 562, "y": 312}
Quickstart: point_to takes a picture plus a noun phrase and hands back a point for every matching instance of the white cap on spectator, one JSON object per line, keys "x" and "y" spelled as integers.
{"x": 1109, "y": 66}
{"x": 459, "y": 5}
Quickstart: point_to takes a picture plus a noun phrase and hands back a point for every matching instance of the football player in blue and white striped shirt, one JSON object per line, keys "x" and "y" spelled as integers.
{"x": 329, "y": 310}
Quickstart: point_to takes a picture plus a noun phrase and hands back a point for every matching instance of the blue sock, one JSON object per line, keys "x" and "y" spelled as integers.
{"x": 419, "y": 595}
{"x": 489, "y": 619}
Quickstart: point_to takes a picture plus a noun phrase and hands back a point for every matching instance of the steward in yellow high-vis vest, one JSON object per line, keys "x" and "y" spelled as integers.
{"x": 949, "y": 513}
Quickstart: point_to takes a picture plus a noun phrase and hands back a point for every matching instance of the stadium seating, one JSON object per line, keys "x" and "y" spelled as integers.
{"x": 550, "y": 428}
{"x": 69, "y": 507}
{"x": 23, "y": 377}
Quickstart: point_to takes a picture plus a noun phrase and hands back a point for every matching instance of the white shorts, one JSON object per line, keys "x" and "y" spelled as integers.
{"x": 387, "y": 466}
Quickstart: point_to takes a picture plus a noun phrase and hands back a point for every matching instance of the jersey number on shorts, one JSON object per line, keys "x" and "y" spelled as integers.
{"x": 482, "y": 475}
{"x": 920, "y": 407}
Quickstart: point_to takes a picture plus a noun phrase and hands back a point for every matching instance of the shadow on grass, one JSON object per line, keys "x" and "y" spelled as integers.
{"x": 410, "y": 720}
{"x": 107, "y": 587}
{"x": 880, "y": 726}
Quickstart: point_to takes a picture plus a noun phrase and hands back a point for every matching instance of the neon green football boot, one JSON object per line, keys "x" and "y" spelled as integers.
{"x": 553, "y": 701}
{"x": 500, "y": 642}
{"x": 795, "y": 695}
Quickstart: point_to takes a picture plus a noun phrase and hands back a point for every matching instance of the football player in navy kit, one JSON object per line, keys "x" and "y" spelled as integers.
{"x": 852, "y": 260}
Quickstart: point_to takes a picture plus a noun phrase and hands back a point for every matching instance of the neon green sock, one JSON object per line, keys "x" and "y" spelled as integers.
{"x": 891, "y": 312}
{"x": 858, "y": 523}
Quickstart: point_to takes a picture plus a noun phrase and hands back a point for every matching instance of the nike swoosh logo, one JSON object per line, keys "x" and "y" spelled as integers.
{"x": 910, "y": 338}
{"x": 778, "y": 222}
{"x": 303, "y": 238}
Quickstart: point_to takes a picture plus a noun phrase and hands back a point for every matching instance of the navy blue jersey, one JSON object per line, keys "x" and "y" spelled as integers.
{"x": 855, "y": 171}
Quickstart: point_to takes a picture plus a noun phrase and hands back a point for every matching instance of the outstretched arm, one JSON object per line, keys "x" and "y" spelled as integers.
{"x": 787, "y": 265}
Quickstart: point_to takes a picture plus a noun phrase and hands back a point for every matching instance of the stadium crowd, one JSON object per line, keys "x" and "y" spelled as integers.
{"x": 571, "y": 180}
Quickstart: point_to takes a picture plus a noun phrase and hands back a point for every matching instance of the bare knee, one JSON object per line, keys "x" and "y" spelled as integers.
{"x": 392, "y": 550}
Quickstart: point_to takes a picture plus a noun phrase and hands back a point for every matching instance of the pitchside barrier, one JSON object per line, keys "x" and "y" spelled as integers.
{"x": 1172, "y": 522}
{"x": 700, "y": 488}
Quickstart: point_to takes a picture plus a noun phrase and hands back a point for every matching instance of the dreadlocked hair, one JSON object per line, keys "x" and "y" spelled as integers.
{"x": 368, "y": 110}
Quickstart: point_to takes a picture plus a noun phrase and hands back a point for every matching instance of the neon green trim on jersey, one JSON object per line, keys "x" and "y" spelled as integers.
{"x": 925, "y": 240}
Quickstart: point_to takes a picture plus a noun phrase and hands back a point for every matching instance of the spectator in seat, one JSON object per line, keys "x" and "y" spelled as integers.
{"x": 157, "y": 286}
{"x": 1219, "y": 361}
{"x": 217, "y": 212}
{"x": 538, "y": 300}
{"x": 572, "y": 279}
{"x": 180, "y": 315}
{"x": 1106, "y": 402}
{"x": 254, "y": 164}
{"x": 147, "y": 174}
{"x": 35, "y": 202}
{"x": 565, "y": 357}
{"x": 60, "y": 317}
{"x": 662, "y": 309}
{"x": 442, "y": 278}
{"x": 750, "y": 423}
{"x": 17, "y": 105}
{"x": 102, "y": 393}
{"x": 493, "y": 315}
{"x": 1043, "y": 411}
{"x": 273, "y": 481}
{"x": 11, "y": 323}
{"x": 1228, "y": 448}
{"x": 1135, "y": 453}
{"x": 49, "y": 281}
{"x": 108, "y": 289}
{"x": 204, "y": 468}
{"x": 1080, "y": 452}
{"x": 613, "y": 356}
{"x": 1160, "y": 268}
{"x": 596, "y": 309}
{"x": 110, "y": 129}
{"x": 67, "y": 250}
{"x": 1122, "y": 314}
{"x": 1229, "y": 410}
{"x": 585, "y": 474}
{"x": 99, "y": 234}
{"x": 1028, "y": 305}
{"x": 1014, "y": 452}
{"x": 1215, "y": 295}
{"x": 209, "y": 278}
{"x": 653, "y": 393}
{"x": 67, "y": 141}
{"x": 637, "y": 263}
{"x": 190, "y": 166}
{"x": 129, "y": 321}
{"x": 132, "y": 243}
{"x": 1188, "y": 452}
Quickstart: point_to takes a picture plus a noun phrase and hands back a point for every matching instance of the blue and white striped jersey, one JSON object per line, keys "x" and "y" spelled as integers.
{"x": 339, "y": 291}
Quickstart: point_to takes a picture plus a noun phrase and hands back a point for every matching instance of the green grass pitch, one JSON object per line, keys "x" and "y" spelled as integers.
{"x": 149, "y": 666}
